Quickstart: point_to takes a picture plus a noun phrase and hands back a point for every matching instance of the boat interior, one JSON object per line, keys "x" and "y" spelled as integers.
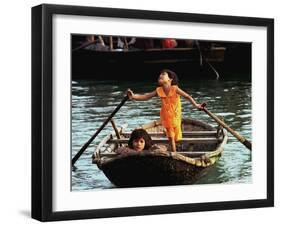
{"x": 197, "y": 139}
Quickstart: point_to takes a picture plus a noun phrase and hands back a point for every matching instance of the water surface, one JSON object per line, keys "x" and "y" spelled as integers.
{"x": 93, "y": 101}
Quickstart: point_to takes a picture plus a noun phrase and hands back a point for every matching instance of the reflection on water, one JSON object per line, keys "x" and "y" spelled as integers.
{"x": 93, "y": 101}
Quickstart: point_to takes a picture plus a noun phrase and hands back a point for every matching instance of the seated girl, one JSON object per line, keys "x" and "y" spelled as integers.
{"x": 139, "y": 140}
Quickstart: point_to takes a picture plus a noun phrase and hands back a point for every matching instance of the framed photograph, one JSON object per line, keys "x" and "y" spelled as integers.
{"x": 145, "y": 112}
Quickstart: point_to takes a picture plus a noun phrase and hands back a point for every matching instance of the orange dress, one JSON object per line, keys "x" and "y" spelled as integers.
{"x": 170, "y": 113}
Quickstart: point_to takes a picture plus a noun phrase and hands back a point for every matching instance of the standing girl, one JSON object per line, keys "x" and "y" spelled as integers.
{"x": 170, "y": 114}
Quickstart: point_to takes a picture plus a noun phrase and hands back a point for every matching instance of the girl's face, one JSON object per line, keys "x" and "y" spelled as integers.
{"x": 164, "y": 79}
{"x": 138, "y": 144}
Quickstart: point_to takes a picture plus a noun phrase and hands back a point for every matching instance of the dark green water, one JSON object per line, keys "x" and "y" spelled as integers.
{"x": 93, "y": 101}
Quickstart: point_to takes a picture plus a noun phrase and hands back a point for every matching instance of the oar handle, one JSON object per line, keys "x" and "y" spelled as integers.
{"x": 242, "y": 139}
{"x": 80, "y": 152}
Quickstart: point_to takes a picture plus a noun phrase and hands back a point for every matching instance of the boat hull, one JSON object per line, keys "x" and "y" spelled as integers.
{"x": 141, "y": 171}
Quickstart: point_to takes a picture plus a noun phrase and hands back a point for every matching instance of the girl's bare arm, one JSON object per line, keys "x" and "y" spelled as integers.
{"x": 146, "y": 96}
{"x": 188, "y": 97}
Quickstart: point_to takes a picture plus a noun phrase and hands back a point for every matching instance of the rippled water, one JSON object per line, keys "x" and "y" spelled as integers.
{"x": 93, "y": 101}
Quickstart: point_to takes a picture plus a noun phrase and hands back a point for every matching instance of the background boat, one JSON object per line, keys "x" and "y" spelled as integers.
{"x": 203, "y": 60}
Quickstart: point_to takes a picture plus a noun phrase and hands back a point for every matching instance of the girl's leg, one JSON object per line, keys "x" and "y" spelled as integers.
{"x": 173, "y": 144}
{"x": 171, "y": 135}
{"x": 178, "y": 135}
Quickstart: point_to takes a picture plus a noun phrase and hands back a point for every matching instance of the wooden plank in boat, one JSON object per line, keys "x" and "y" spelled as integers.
{"x": 193, "y": 152}
{"x": 165, "y": 140}
{"x": 112, "y": 154}
{"x": 189, "y": 133}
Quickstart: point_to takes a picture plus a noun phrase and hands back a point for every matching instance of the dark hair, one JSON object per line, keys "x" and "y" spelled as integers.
{"x": 140, "y": 133}
{"x": 172, "y": 75}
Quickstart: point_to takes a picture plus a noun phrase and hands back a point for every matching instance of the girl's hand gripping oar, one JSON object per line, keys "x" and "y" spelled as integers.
{"x": 242, "y": 139}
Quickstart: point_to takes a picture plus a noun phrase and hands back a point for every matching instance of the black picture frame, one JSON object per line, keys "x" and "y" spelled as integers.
{"x": 42, "y": 106}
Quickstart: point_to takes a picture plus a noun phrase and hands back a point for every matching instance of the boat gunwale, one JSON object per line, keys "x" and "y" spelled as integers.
{"x": 182, "y": 49}
{"x": 203, "y": 160}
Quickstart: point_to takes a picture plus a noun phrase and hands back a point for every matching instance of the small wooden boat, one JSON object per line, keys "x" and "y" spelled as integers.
{"x": 200, "y": 148}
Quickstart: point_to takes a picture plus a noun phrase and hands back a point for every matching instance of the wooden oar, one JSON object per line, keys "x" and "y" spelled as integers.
{"x": 79, "y": 153}
{"x": 242, "y": 139}
{"x": 115, "y": 128}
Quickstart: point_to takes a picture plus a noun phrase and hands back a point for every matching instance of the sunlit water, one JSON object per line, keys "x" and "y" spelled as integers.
{"x": 93, "y": 101}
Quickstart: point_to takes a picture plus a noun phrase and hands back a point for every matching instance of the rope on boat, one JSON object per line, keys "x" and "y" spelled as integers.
{"x": 203, "y": 58}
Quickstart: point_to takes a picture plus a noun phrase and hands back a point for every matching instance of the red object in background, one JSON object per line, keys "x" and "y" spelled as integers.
{"x": 169, "y": 43}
